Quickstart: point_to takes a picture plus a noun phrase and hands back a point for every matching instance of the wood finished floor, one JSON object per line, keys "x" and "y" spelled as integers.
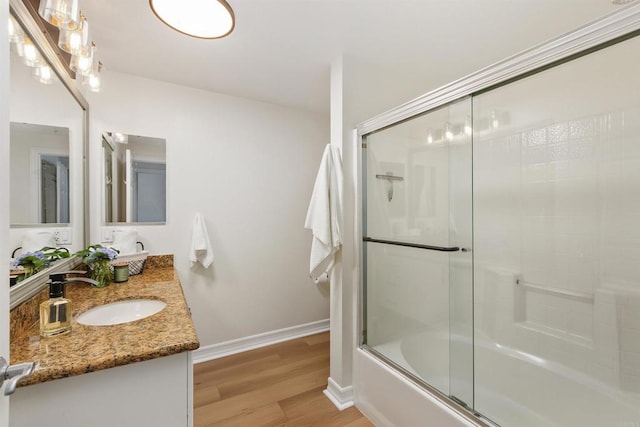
{"x": 279, "y": 385}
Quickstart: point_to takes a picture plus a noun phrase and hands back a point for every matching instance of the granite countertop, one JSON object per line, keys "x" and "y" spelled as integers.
{"x": 92, "y": 348}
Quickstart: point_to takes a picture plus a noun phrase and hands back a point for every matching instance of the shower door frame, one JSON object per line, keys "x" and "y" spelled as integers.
{"x": 606, "y": 31}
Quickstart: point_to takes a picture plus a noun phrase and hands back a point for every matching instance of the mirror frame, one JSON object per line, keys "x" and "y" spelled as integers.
{"x": 21, "y": 13}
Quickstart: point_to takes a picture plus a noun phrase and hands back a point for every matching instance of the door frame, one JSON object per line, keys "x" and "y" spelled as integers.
{"x": 35, "y": 178}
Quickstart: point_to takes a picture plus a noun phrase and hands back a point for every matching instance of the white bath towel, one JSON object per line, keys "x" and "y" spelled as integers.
{"x": 201, "y": 250}
{"x": 324, "y": 216}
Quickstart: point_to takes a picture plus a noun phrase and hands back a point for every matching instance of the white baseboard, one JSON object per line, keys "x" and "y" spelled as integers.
{"x": 215, "y": 351}
{"x": 342, "y": 397}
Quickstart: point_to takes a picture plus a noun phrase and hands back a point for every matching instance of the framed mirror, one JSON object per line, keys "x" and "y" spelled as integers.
{"x": 48, "y": 144}
{"x": 134, "y": 179}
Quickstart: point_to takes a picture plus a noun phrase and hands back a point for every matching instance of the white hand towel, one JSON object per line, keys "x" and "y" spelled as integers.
{"x": 126, "y": 241}
{"x": 34, "y": 240}
{"x": 324, "y": 216}
{"x": 201, "y": 250}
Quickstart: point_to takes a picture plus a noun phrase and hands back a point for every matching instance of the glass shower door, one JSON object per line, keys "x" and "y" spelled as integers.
{"x": 557, "y": 244}
{"x": 417, "y": 232}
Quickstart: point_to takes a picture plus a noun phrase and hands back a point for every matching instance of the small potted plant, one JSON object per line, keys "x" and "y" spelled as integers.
{"x": 98, "y": 259}
{"x": 30, "y": 263}
{"x": 55, "y": 254}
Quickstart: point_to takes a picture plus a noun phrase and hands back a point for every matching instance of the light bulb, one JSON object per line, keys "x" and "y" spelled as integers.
{"x": 92, "y": 79}
{"x": 429, "y": 138}
{"x": 94, "y": 83}
{"x": 448, "y": 132}
{"x": 31, "y": 55}
{"x": 20, "y": 48}
{"x": 468, "y": 129}
{"x": 495, "y": 122}
{"x": 75, "y": 42}
{"x": 43, "y": 74}
{"x": 120, "y": 138}
{"x": 82, "y": 64}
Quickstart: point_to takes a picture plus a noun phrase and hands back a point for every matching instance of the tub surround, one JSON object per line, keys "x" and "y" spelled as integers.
{"x": 93, "y": 348}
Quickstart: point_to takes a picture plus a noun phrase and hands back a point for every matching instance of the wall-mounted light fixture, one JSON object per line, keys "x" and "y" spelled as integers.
{"x": 205, "y": 19}
{"x": 73, "y": 38}
{"x": 458, "y": 131}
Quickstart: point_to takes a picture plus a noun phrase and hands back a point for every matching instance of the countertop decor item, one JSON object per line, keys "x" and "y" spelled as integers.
{"x": 121, "y": 272}
{"x": 30, "y": 263}
{"x": 98, "y": 259}
{"x": 135, "y": 260}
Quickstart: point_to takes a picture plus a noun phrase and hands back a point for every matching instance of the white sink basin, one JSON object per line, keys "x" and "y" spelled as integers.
{"x": 120, "y": 312}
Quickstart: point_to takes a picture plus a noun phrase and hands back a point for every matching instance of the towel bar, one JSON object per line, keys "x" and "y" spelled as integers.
{"x": 412, "y": 245}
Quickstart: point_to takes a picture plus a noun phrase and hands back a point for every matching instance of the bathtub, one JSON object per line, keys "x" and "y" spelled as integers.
{"x": 514, "y": 388}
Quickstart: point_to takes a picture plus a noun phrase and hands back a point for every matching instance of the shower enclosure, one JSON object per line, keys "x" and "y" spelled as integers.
{"x": 501, "y": 244}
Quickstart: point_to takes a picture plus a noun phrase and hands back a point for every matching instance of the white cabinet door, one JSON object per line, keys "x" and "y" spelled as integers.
{"x": 154, "y": 393}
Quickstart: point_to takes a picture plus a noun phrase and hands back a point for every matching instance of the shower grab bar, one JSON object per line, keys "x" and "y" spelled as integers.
{"x": 412, "y": 245}
{"x": 580, "y": 296}
{"x": 390, "y": 177}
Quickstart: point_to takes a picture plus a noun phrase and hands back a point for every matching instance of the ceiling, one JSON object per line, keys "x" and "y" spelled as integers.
{"x": 281, "y": 50}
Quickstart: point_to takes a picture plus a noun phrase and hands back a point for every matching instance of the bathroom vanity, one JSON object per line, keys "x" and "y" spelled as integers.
{"x": 129, "y": 374}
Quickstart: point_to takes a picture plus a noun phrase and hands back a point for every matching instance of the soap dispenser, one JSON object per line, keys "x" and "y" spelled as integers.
{"x": 55, "y": 313}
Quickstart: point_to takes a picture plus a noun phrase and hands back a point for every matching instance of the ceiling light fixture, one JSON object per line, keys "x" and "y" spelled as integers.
{"x": 205, "y": 19}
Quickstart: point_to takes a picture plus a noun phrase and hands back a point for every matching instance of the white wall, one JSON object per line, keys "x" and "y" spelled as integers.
{"x": 356, "y": 95}
{"x": 248, "y": 167}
